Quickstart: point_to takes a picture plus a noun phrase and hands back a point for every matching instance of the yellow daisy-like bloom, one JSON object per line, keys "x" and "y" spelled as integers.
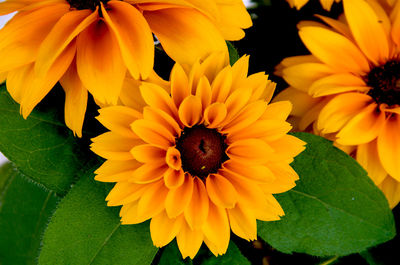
{"x": 199, "y": 159}
{"x": 298, "y": 4}
{"x": 91, "y": 45}
{"x": 348, "y": 90}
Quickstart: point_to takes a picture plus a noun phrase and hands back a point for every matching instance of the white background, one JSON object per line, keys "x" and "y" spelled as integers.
{"x": 4, "y": 19}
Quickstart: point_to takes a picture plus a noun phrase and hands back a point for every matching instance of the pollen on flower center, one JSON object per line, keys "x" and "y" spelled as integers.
{"x": 88, "y": 4}
{"x": 202, "y": 150}
{"x": 385, "y": 83}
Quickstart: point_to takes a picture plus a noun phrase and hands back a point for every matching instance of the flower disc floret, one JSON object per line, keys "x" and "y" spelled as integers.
{"x": 200, "y": 157}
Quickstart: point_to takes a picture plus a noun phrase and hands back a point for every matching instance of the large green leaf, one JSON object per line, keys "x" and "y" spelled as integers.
{"x": 41, "y": 146}
{"x": 335, "y": 209}
{"x": 25, "y": 209}
{"x": 84, "y": 230}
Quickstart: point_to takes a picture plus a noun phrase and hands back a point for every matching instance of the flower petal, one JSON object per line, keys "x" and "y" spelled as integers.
{"x": 118, "y": 119}
{"x": 133, "y": 35}
{"x": 113, "y": 146}
{"x": 190, "y": 111}
{"x": 116, "y": 171}
{"x": 221, "y": 191}
{"x": 164, "y": 229}
{"x": 251, "y": 151}
{"x": 174, "y": 178}
{"x": 153, "y": 133}
{"x": 179, "y": 84}
{"x": 368, "y": 157}
{"x": 197, "y": 211}
{"x": 243, "y": 222}
{"x": 215, "y": 114}
{"x": 149, "y": 172}
{"x": 146, "y": 153}
{"x": 189, "y": 241}
{"x": 178, "y": 199}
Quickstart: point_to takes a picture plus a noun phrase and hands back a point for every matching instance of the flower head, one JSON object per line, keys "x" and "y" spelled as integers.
{"x": 348, "y": 89}
{"x": 92, "y": 45}
{"x": 200, "y": 158}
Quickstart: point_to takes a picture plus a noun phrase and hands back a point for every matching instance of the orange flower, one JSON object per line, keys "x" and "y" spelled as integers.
{"x": 92, "y": 45}
{"x": 201, "y": 158}
{"x": 348, "y": 89}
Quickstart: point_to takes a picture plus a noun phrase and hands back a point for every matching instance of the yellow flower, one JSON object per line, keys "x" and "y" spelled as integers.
{"x": 298, "y": 4}
{"x": 92, "y": 45}
{"x": 201, "y": 158}
{"x": 348, "y": 89}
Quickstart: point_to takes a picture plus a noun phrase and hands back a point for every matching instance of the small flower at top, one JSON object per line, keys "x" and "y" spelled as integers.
{"x": 200, "y": 158}
{"x": 92, "y": 45}
{"x": 348, "y": 90}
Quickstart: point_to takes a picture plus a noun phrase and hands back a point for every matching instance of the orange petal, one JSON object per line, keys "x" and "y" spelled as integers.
{"x": 99, "y": 62}
{"x": 389, "y": 147}
{"x": 121, "y": 191}
{"x": 179, "y": 84}
{"x": 178, "y": 199}
{"x": 162, "y": 118}
{"x": 279, "y": 110}
{"x": 221, "y": 86}
{"x": 116, "y": 171}
{"x": 21, "y": 39}
{"x": 243, "y": 222}
{"x": 267, "y": 130}
{"x": 61, "y": 35}
{"x": 391, "y": 189}
{"x": 189, "y": 241}
{"x": 40, "y": 86}
{"x": 149, "y": 172}
{"x": 251, "y": 151}
{"x": 152, "y": 201}
{"x": 215, "y": 114}
{"x": 216, "y": 229}
{"x": 163, "y": 229}
{"x": 76, "y": 97}
{"x": 133, "y": 35}
{"x": 190, "y": 111}
{"x": 363, "y": 128}
{"x": 170, "y": 25}
{"x": 367, "y": 30}
{"x": 113, "y": 146}
{"x": 156, "y": 97}
{"x": 221, "y": 191}
{"x": 153, "y": 133}
{"x": 173, "y": 158}
{"x": 197, "y": 211}
{"x": 203, "y": 91}
{"x": 285, "y": 178}
{"x": 17, "y": 80}
{"x": 334, "y": 49}
{"x": 338, "y": 111}
{"x": 174, "y": 178}
{"x": 257, "y": 173}
{"x": 145, "y": 153}
{"x": 118, "y": 119}
{"x": 367, "y": 156}
{"x": 337, "y": 83}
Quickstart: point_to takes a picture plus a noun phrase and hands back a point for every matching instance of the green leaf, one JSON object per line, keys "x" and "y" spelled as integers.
{"x": 41, "y": 146}
{"x": 172, "y": 256}
{"x": 335, "y": 209}
{"x": 25, "y": 209}
{"x": 84, "y": 230}
{"x": 233, "y": 53}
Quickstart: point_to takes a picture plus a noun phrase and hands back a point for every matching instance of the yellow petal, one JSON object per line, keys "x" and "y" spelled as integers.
{"x": 189, "y": 241}
{"x": 76, "y": 97}
{"x": 197, "y": 211}
{"x": 236, "y": 102}
{"x": 162, "y": 118}
{"x": 334, "y": 49}
{"x": 173, "y": 158}
{"x": 367, "y": 156}
{"x": 116, "y": 171}
{"x": 164, "y": 229}
{"x": 113, "y": 146}
{"x": 121, "y": 191}
{"x": 221, "y": 191}
{"x": 133, "y": 35}
{"x": 367, "y": 30}
{"x": 99, "y": 63}
{"x": 285, "y": 178}
{"x": 61, "y": 35}
{"x": 156, "y": 97}
{"x": 145, "y": 153}
{"x": 221, "y": 86}
{"x": 267, "y": 130}
{"x": 215, "y": 114}
{"x": 338, "y": 111}
{"x": 243, "y": 222}
{"x": 389, "y": 147}
{"x": 363, "y": 128}
{"x": 17, "y": 80}
{"x": 118, "y": 119}
{"x": 203, "y": 91}
{"x": 251, "y": 151}
{"x": 257, "y": 173}
{"x": 153, "y": 133}
{"x": 216, "y": 229}
{"x": 278, "y": 110}
{"x": 391, "y": 189}
{"x": 182, "y": 29}
{"x": 190, "y": 111}
{"x": 337, "y": 83}
{"x": 179, "y": 84}
{"x": 178, "y": 199}
{"x": 21, "y": 39}
{"x": 149, "y": 172}
{"x": 152, "y": 201}
{"x": 174, "y": 178}
{"x": 40, "y": 86}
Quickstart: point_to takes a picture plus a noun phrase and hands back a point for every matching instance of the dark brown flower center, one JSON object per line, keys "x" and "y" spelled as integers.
{"x": 385, "y": 83}
{"x": 88, "y": 4}
{"x": 202, "y": 150}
